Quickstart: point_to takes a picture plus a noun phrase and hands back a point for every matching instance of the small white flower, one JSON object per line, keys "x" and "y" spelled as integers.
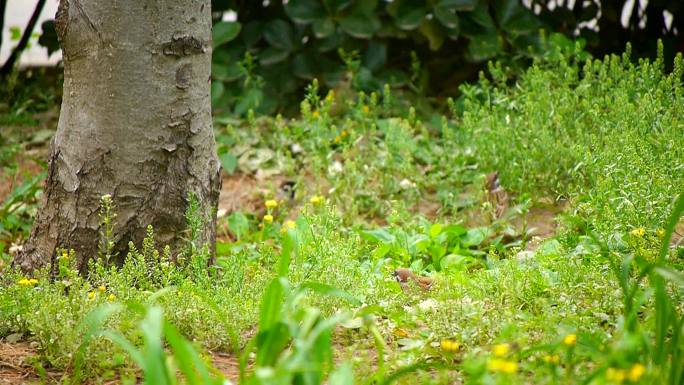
{"x": 406, "y": 184}
{"x": 428, "y": 304}
{"x": 335, "y": 168}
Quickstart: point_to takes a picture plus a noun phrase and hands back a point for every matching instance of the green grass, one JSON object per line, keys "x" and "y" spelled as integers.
{"x": 314, "y": 299}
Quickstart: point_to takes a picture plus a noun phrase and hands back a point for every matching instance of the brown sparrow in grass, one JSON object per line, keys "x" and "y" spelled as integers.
{"x": 496, "y": 195}
{"x": 404, "y": 276}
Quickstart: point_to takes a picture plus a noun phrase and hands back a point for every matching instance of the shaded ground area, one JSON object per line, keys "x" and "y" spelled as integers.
{"x": 17, "y": 358}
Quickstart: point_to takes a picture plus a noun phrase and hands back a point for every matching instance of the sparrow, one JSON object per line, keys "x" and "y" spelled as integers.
{"x": 404, "y": 276}
{"x": 496, "y": 195}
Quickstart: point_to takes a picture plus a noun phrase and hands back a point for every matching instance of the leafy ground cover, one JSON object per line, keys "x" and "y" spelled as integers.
{"x": 565, "y": 270}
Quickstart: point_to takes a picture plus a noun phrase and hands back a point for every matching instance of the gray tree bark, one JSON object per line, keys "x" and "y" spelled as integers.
{"x": 135, "y": 123}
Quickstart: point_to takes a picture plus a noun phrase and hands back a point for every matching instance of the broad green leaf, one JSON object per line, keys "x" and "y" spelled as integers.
{"x": 475, "y": 237}
{"x": 323, "y": 28}
{"x": 671, "y": 275}
{"x": 304, "y": 11}
{"x": 226, "y": 73}
{"x": 458, "y": 5}
{"x": 376, "y": 55}
{"x": 249, "y": 100}
{"x": 279, "y": 34}
{"x": 484, "y": 47}
{"x": 342, "y": 375}
{"x": 409, "y": 16}
{"x": 271, "y": 304}
{"x": 435, "y": 230}
{"x": 378, "y": 236}
{"x": 252, "y": 32}
{"x": 514, "y": 17}
{"x": 225, "y": 31}
{"x": 272, "y": 55}
{"x": 480, "y": 15}
{"x": 338, "y": 5}
{"x": 448, "y": 18}
{"x": 238, "y": 224}
{"x": 360, "y": 25}
{"x": 217, "y": 90}
{"x": 229, "y": 162}
{"x": 434, "y": 33}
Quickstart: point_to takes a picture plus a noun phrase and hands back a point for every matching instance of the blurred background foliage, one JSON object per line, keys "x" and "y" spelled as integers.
{"x": 266, "y": 52}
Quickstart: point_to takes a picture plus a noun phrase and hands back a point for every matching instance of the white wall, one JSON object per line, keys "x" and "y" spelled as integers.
{"x": 18, "y": 14}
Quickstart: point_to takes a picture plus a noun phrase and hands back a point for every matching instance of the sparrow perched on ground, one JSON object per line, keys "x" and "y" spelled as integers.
{"x": 496, "y": 195}
{"x": 404, "y": 276}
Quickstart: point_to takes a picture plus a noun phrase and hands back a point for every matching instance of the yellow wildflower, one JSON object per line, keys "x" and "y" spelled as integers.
{"x": 111, "y": 297}
{"x": 503, "y": 366}
{"x": 660, "y": 233}
{"x": 636, "y": 372}
{"x": 337, "y": 139}
{"x": 638, "y": 232}
{"x": 501, "y": 350}
{"x": 615, "y": 375}
{"x": 91, "y": 295}
{"x": 268, "y": 218}
{"x": 344, "y": 133}
{"x": 33, "y": 281}
{"x": 102, "y": 288}
{"x": 288, "y": 225}
{"x": 65, "y": 255}
{"x": 450, "y": 346}
{"x": 570, "y": 340}
{"x": 24, "y": 282}
{"x": 315, "y": 114}
{"x": 271, "y": 203}
{"x": 365, "y": 109}
{"x": 316, "y": 200}
{"x": 551, "y": 358}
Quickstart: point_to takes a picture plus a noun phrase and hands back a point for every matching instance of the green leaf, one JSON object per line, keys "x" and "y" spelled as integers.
{"x": 342, "y": 375}
{"x": 434, "y": 33}
{"x": 448, "y": 17}
{"x": 271, "y": 304}
{"x": 229, "y": 162}
{"x": 435, "y": 230}
{"x": 338, "y": 5}
{"x": 323, "y": 28}
{"x": 484, "y": 47}
{"x": 279, "y": 34}
{"x": 458, "y": 5}
{"x": 376, "y": 55}
{"x": 15, "y": 33}
{"x": 250, "y": 100}
{"x": 409, "y": 16}
{"x": 514, "y": 17}
{"x": 671, "y": 275}
{"x": 304, "y": 11}
{"x": 325, "y": 289}
{"x": 481, "y": 16}
{"x": 272, "y": 55}
{"x": 217, "y": 90}
{"x": 225, "y": 31}
{"x": 238, "y": 224}
{"x": 378, "y": 236}
{"x": 475, "y": 237}
{"x": 360, "y": 25}
{"x": 226, "y": 73}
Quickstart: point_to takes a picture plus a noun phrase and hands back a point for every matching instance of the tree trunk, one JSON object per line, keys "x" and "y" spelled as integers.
{"x": 135, "y": 123}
